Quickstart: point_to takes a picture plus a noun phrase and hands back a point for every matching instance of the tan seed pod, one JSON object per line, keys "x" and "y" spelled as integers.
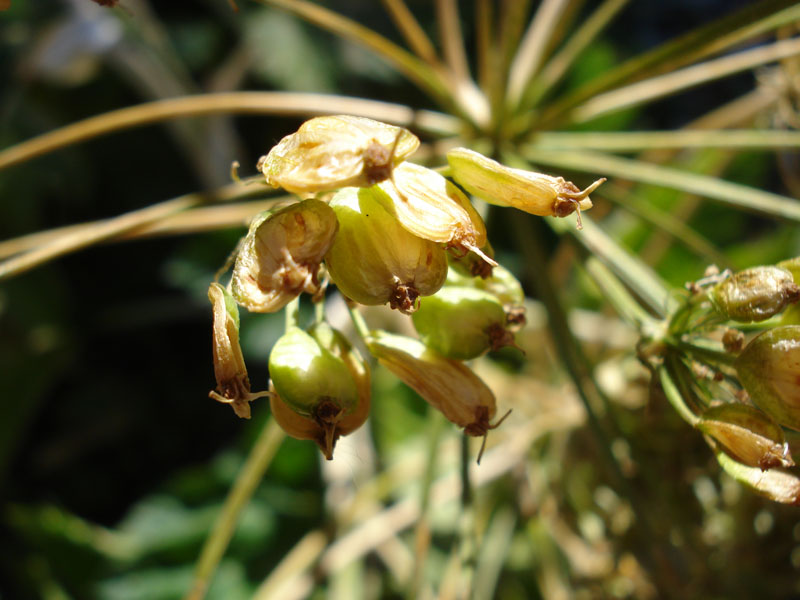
{"x": 375, "y": 261}
{"x": 534, "y": 193}
{"x": 447, "y": 385}
{"x": 749, "y": 434}
{"x": 233, "y": 384}
{"x": 332, "y": 152}
{"x": 281, "y": 255}
{"x": 431, "y": 207}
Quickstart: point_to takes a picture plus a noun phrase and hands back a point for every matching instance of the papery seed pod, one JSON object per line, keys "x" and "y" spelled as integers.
{"x": 332, "y": 152}
{"x": 769, "y": 369}
{"x": 233, "y": 384}
{"x": 326, "y": 433}
{"x": 374, "y": 260}
{"x": 777, "y": 484}
{"x": 446, "y": 384}
{"x": 534, "y": 193}
{"x": 749, "y": 434}
{"x": 462, "y": 323}
{"x": 311, "y": 380}
{"x": 754, "y": 294}
{"x": 281, "y": 255}
{"x": 431, "y": 207}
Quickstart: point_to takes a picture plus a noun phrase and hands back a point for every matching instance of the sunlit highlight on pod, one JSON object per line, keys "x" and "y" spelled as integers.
{"x": 337, "y": 151}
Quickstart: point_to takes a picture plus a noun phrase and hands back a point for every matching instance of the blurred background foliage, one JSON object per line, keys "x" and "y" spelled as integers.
{"x": 113, "y": 461}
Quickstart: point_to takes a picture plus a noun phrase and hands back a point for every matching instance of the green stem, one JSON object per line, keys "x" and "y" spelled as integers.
{"x": 358, "y": 322}
{"x": 258, "y": 461}
{"x": 620, "y": 298}
{"x": 423, "y": 533}
{"x": 292, "y": 314}
{"x": 667, "y": 376}
{"x": 706, "y": 353}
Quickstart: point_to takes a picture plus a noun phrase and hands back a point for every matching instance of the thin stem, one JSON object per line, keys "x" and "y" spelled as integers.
{"x": 532, "y": 49}
{"x": 46, "y": 246}
{"x": 619, "y": 297}
{"x": 451, "y": 38}
{"x": 358, "y": 321}
{"x": 635, "y": 141}
{"x": 422, "y": 534}
{"x": 194, "y": 220}
{"x": 714, "y": 355}
{"x": 731, "y": 194}
{"x": 273, "y": 103}
{"x": 676, "y": 81}
{"x": 417, "y": 71}
{"x": 666, "y": 377}
{"x": 292, "y": 314}
{"x": 252, "y": 472}
{"x": 558, "y": 66}
{"x": 412, "y": 32}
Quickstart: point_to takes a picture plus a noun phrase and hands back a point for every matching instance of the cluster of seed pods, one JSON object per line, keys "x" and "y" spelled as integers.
{"x": 385, "y": 232}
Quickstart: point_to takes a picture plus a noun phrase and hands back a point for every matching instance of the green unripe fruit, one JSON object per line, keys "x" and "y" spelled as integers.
{"x": 310, "y": 379}
{"x": 462, "y": 323}
{"x": 374, "y": 260}
{"x": 769, "y": 369}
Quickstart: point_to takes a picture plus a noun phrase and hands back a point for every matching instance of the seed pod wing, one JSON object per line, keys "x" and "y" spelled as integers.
{"x": 281, "y": 255}
{"x": 337, "y": 151}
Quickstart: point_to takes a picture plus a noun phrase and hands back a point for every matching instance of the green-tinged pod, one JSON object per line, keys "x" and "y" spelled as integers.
{"x": 502, "y": 285}
{"x": 374, "y": 260}
{"x": 749, "y": 434}
{"x": 534, "y": 193}
{"x": 233, "y": 384}
{"x": 462, "y": 323}
{"x": 310, "y": 379}
{"x": 332, "y": 152}
{"x": 754, "y": 294}
{"x": 326, "y": 433}
{"x": 769, "y": 369}
{"x": 446, "y": 384}
{"x": 431, "y": 207}
{"x": 281, "y": 255}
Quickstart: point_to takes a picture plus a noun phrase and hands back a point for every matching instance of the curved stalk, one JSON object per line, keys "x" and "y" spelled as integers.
{"x": 260, "y": 103}
{"x": 252, "y": 472}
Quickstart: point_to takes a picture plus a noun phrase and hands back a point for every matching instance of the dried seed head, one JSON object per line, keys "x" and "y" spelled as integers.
{"x": 431, "y": 207}
{"x": 281, "y": 255}
{"x": 374, "y": 260}
{"x": 462, "y": 323}
{"x": 769, "y": 369}
{"x": 233, "y": 384}
{"x": 447, "y": 385}
{"x": 749, "y": 434}
{"x": 310, "y": 379}
{"x": 531, "y": 192}
{"x": 755, "y": 294}
{"x": 331, "y": 152}
{"x": 324, "y": 432}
